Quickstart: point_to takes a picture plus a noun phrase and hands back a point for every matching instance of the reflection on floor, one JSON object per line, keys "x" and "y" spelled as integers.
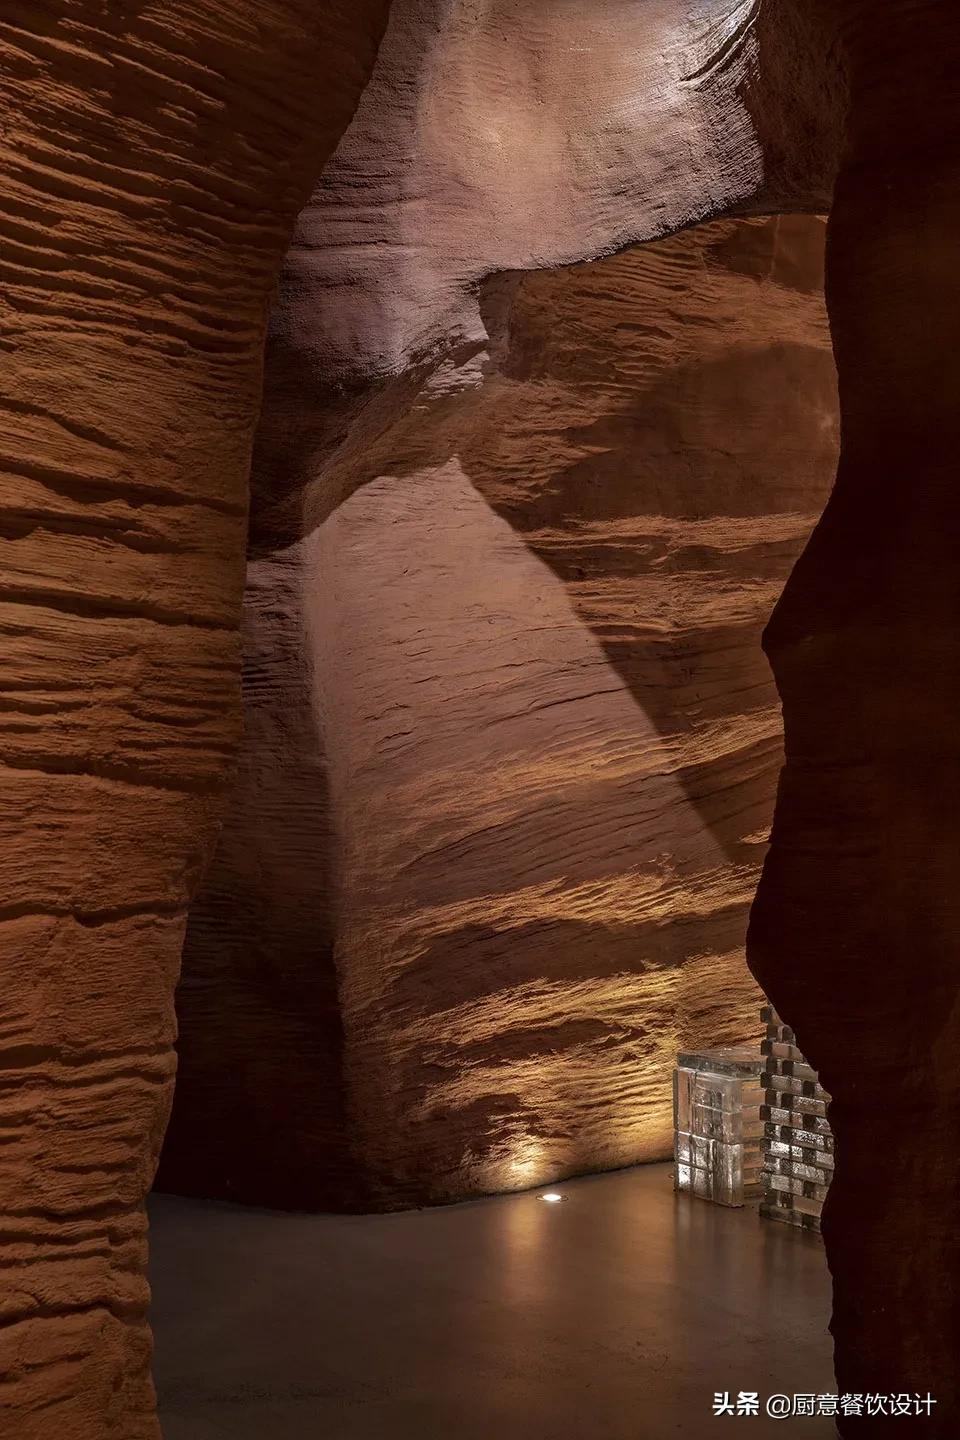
{"x": 613, "y": 1316}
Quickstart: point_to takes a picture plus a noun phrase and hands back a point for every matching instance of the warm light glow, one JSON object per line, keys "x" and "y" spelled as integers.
{"x": 526, "y": 1167}
{"x": 552, "y": 1198}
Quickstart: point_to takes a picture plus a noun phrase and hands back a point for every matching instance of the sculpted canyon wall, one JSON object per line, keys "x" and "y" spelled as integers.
{"x": 856, "y": 927}
{"x": 436, "y": 417}
{"x": 348, "y": 934}
{"x": 446, "y": 180}
{"x": 154, "y": 154}
{"x": 512, "y": 743}
{"x": 152, "y": 161}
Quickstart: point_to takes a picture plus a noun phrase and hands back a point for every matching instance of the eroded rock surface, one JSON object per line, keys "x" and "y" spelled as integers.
{"x": 402, "y": 362}
{"x": 152, "y": 161}
{"x": 512, "y": 741}
{"x": 856, "y": 931}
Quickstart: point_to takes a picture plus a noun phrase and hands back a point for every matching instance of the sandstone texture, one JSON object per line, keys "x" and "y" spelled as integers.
{"x": 512, "y": 742}
{"x": 152, "y": 161}
{"x": 532, "y": 823}
{"x": 856, "y": 928}
{"x": 398, "y": 279}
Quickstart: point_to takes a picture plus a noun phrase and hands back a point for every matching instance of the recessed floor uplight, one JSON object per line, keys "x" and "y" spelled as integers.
{"x": 552, "y": 1198}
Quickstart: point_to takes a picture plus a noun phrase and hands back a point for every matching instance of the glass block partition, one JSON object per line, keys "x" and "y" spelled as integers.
{"x": 717, "y": 1124}
{"x": 797, "y": 1145}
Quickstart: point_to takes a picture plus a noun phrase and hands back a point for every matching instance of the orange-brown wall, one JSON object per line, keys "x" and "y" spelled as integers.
{"x": 512, "y": 741}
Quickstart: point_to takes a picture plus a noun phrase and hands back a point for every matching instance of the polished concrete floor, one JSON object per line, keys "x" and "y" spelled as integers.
{"x": 612, "y": 1316}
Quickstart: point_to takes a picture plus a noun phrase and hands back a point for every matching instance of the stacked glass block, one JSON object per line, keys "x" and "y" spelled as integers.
{"x": 717, "y": 1124}
{"x": 797, "y": 1141}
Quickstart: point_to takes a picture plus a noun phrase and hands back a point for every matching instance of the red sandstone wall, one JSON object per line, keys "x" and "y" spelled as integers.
{"x": 512, "y": 742}
{"x": 153, "y": 157}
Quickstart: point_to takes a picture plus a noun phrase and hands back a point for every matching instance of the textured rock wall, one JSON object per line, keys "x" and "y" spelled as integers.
{"x": 152, "y": 160}
{"x": 856, "y": 929}
{"x": 152, "y": 157}
{"x": 153, "y": 154}
{"x": 489, "y": 137}
{"x": 501, "y": 136}
{"x": 512, "y": 742}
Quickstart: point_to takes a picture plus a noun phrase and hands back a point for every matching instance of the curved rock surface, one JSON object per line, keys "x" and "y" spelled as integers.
{"x": 512, "y": 741}
{"x": 153, "y": 156}
{"x": 855, "y": 931}
{"x": 389, "y": 269}
{"x": 152, "y": 160}
{"x": 473, "y": 152}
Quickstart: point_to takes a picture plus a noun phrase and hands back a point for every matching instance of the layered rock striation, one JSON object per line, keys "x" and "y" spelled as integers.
{"x": 512, "y": 741}
{"x": 425, "y": 388}
{"x": 152, "y": 161}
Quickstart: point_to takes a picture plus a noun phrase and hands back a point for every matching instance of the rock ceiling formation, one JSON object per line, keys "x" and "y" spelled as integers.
{"x": 433, "y": 390}
{"x": 512, "y": 743}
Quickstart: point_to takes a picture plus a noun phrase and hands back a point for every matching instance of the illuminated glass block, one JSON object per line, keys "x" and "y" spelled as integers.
{"x": 718, "y": 1128}
{"x": 804, "y": 1129}
{"x": 797, "y": 1169}
{"x": 798, "y": 1161}
{"x": 790, "y": 1216}
{"x": 794, "y": 1085}
{"x": 805, "y": 1154}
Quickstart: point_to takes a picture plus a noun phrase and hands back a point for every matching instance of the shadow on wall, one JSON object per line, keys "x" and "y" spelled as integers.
{"x": 551, "y": 765}
{"x": 697, "y": 448}
{"x": 521, "y": 874}
{"x": 258, "y": 984}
